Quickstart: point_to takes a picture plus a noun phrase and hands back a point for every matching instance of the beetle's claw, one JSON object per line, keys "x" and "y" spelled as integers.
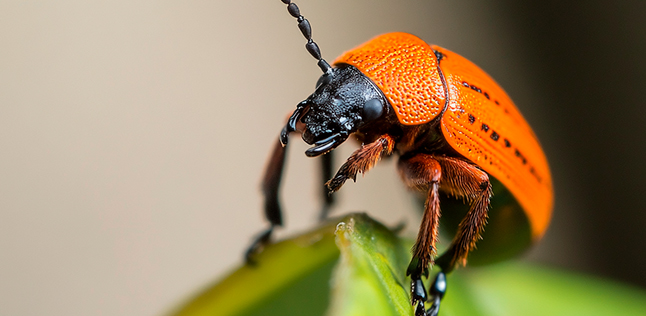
{"x": 420, "y": 310}
{"x": 437, "y": 291}
{"x": 435, "y": 308}
{"x": 258, "y": 244}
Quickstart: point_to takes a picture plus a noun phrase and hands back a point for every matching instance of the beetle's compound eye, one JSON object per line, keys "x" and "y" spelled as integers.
{"x": 372, "y": 110}
{"x": 323, "y": 80}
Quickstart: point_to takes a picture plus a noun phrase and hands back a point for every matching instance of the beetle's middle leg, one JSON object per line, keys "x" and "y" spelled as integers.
{"x": 423, "y": 172}
{"x": 461, "y": 179}
{"x": 464, "y": 179}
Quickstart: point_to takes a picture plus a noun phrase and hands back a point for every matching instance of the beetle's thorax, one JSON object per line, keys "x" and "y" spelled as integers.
{"x": 423, "y": 138}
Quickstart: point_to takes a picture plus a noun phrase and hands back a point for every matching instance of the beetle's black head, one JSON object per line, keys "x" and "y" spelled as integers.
{"x": 344, "y": 101}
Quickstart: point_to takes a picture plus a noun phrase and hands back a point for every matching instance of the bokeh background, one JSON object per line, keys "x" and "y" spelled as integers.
{"x": 133, "y": 135}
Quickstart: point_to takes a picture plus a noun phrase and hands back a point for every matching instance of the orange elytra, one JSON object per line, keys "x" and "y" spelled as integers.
{"x": 480, "y": 121}
{"x": 460, "y": 140}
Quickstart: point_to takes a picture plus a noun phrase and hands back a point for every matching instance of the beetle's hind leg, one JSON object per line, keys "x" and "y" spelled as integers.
{"x": 461, "y": 179}
{"x": 464, "y": 179}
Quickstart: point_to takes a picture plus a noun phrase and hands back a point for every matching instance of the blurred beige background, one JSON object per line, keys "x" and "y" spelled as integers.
{"x": 133, "y": 135}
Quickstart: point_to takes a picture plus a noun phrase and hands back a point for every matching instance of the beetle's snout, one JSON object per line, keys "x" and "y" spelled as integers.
{"x": 308, "y": 137}
{"x": 322, "y": 131}
{"x": 314, "y": 133}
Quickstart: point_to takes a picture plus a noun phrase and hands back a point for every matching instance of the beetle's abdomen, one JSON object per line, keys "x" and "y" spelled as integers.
{"x": 405, "y": 69}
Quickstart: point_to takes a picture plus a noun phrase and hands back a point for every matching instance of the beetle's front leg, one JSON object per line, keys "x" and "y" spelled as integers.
{"x": 270, "y": 185}
{"x": 423, "y": 172}
{"x": 361, "y": 161}
{"x": 326, "y": 161}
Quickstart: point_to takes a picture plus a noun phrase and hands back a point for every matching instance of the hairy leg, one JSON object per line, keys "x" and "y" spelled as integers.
{"x": 361, "y": 161}
{"x": 461, "y": 179}
{"x": 423, "y": 172}
{"x": 464, "y": 179}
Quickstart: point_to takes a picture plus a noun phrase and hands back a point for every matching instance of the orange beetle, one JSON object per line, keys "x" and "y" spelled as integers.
{"x": 459, "y": 138}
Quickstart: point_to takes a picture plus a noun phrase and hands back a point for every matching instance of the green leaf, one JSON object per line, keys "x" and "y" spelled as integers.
{"x": 520, "y": 289}
{"x": 291, "y": 277}
{"x": 306, "y": 276}
{"x": 369, "y": 278}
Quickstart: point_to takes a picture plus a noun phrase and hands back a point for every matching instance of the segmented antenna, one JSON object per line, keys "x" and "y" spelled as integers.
{"x": 306, "y": 29}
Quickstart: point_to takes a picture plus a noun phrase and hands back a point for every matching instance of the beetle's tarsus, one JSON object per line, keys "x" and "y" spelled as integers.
{"x": 417, "y": 290}
{"x": 436, "y": 292}
{"x": 257, "y": 246}
{"x": 435, "y": 308}
{"x": 336, "y": 183}
{"x": 362, "y": 160}
{"x": 418, "y": 294}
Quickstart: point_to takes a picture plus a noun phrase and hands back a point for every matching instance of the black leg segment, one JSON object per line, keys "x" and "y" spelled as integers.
{"x": 327, "y": 172}
{"x": 436, "y": 293}
{"x": 270, "y": 186}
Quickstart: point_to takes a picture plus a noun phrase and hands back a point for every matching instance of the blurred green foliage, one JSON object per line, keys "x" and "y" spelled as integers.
{"x": 356, "y": 266}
